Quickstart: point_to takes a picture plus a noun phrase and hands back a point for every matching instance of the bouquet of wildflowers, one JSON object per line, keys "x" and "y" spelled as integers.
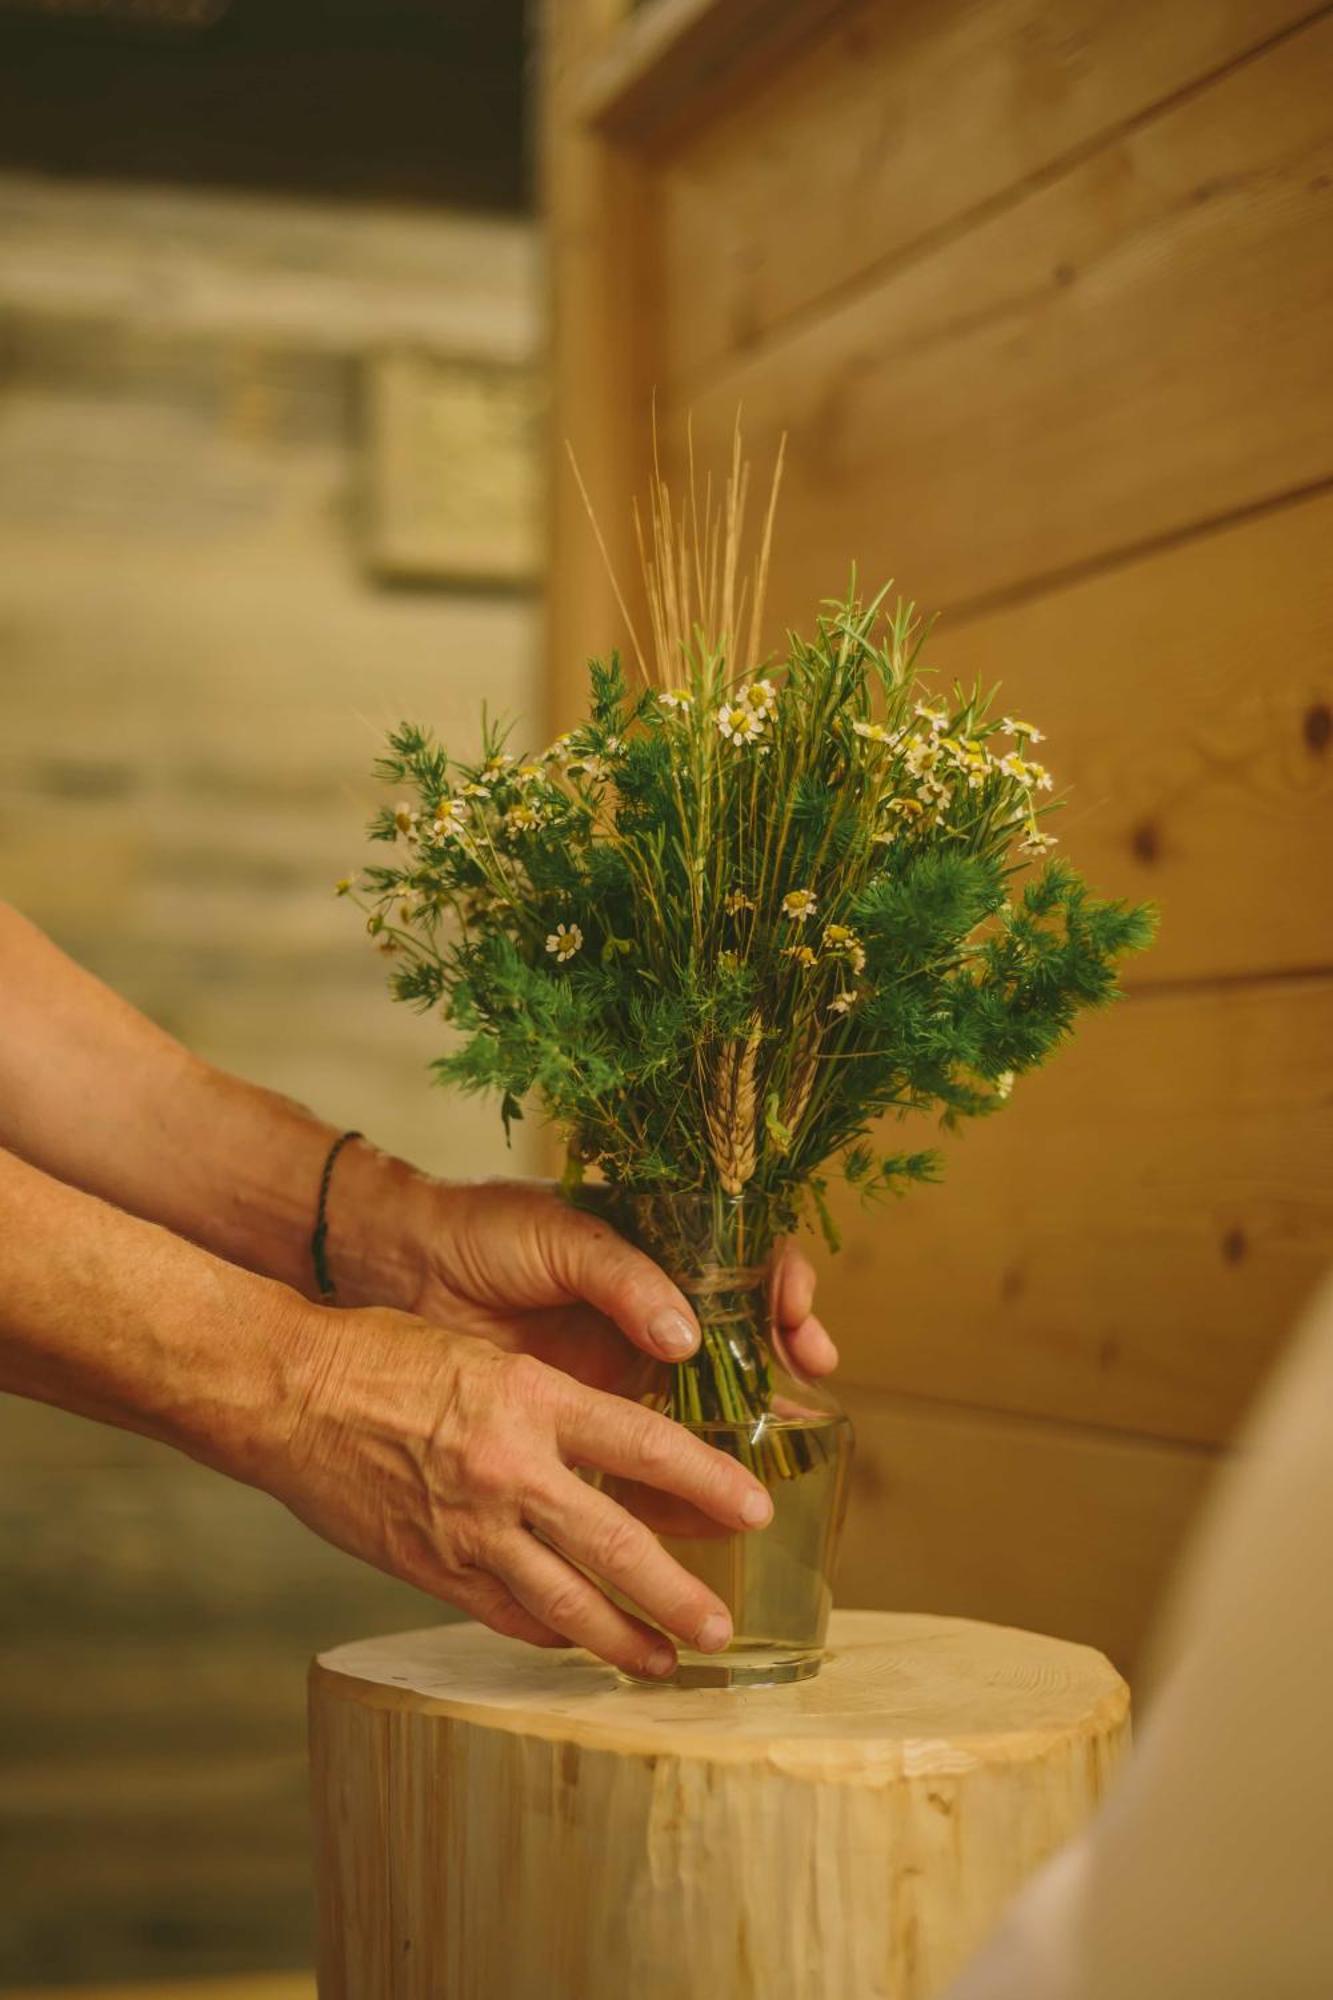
{"x": 749, "y": 907}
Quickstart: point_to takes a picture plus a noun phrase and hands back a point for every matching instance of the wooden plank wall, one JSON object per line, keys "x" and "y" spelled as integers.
{"x": 1042, "y": 293}
{"x": 194, "y": 674}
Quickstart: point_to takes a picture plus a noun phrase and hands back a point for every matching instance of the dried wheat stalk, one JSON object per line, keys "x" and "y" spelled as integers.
{"x": 798, "y": 1093}
{"x": 691, "y": 568}
{"x": 730, "y": 1110}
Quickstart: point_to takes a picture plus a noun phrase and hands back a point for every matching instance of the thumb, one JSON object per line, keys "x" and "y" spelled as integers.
{"x": 588, "y": 1260}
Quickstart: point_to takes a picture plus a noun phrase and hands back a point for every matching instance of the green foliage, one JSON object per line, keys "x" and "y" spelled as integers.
{"x": 718, "y": 931}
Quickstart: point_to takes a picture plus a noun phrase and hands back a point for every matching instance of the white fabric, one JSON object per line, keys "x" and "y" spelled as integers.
{"x": 1208, "y": 1875}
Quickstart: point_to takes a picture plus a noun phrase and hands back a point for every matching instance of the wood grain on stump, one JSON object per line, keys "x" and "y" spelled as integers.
{"x": 496, "y": 1821}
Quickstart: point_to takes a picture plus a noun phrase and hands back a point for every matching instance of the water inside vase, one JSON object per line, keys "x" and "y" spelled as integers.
{"x": 741, "y": 1394}
{"x": 776, "y": 1581}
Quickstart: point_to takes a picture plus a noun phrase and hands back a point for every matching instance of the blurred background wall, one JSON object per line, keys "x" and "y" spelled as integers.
{"x": 268, "y": 481}
{"x": 1042, "y": 292}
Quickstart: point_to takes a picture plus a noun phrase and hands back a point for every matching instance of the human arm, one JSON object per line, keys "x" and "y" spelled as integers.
{"x": 432, "y": 1454}
{"x": 98, "y": 1096}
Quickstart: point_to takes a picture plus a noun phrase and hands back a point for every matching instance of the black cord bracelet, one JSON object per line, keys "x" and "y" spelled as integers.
{"x": 319, "y": 1240}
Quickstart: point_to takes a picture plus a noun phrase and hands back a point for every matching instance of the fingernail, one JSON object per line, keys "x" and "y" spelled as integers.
{"x": 660, "y": 1662}
{"x": 714, "y": 1633}
{"x": 672, "y": 1334}
{"x": 756, "y": 1508}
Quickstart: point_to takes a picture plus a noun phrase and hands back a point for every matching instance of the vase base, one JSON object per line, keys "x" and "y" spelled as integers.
{"x": 762, "y": 1668}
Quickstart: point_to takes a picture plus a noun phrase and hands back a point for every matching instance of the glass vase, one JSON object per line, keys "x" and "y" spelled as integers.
{"x": 742, "y": 1394}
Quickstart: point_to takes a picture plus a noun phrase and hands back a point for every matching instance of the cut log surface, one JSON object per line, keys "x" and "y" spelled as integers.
{"x": 491, "y": 1820}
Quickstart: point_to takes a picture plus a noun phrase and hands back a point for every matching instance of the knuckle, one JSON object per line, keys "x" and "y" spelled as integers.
{"x": 622, "y": 1271}
{"x": 655, "y": 1442}
{"x": 619, "y": 1544}
{"x": 506, "y": 1619}
{"x": 579, "y": 1241}
{"x": 646, "y": 1289}
{"x": 471, "y": 1551}
{"x": 528, "y": 1380}
{"x": 563, "y": 1604}
{"x": 509, "y": 1619}
{"x": 488, "y": 1468}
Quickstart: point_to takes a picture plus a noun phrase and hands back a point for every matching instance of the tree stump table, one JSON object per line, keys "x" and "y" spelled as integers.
{"x": 498, "y": 1823}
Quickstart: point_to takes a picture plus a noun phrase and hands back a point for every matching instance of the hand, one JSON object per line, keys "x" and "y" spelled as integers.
{"x": 513, "y": 1262}
{"x": 449, "y": 1463}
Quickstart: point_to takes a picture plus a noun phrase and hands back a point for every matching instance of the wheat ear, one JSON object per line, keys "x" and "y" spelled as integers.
{"x": 730, "y": 1114}
{"x": 798, "y": 1095}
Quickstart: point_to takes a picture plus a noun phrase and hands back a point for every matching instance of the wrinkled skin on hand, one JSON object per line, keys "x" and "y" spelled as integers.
{"x": 513, "y": 1262}
{"x": 445, "y": 1444}
{"x": 454, "y": 1464}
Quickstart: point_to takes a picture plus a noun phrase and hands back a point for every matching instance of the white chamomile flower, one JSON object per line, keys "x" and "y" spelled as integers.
{"x": 739, "y": 723}
{"x": 560, "y": 751}
{"x": 1041, "y": 777}
{"x": 675, "y": 698}
{"x": 405, "y": 819}
{"x": 935, "y": 719}
{"x": 735, "y": 901}
{"x": 529, "y": 772}
{"x": 1013, "y": 766}
{"x": 522, "y": 819}
{"x": 842, "y": 1003}
{"x": 449, "y": 819}
{"x": 874, "y": 732}
{"x": 802, "y": 953}
{"x": 614, "y": 745}
{"x": 969, "y": 759}
{"x": 842, "y": 939}
{"x": 1013, "y": 726}
{"x": 1004, "y": 1083}
{"x": 1037, "y": 842}
{"x": 593, "y": 767}
{"x": 908, "y": 809}
{"x": 921, "y": 755}
{"x": 761, "y": 696}
{"x": 474, "y": 790}
{"x": 799, "y": 904}
{"x": 495, "y": 767}
{"x": 564, "y": 941}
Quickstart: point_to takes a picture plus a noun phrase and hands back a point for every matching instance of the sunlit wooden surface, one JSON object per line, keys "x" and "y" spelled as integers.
{"x": 495, "y": 1820}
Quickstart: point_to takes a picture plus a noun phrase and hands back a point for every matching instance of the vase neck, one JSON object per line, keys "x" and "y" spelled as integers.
{"x": 732, "y": 1300}
{"x": 707, "y": 1243}
{"x": 716, "y": 1248}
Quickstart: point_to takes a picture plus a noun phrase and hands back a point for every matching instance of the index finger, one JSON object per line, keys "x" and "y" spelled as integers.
{"x": 610, "y": 1435}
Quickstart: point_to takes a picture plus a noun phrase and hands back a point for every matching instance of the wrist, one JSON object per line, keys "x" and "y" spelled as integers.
{"x": 256, "y": 1198}
{"x": 382, "y": 1216}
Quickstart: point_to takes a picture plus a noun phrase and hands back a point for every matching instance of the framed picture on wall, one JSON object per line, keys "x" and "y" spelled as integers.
{"x": 451, "y": 480}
